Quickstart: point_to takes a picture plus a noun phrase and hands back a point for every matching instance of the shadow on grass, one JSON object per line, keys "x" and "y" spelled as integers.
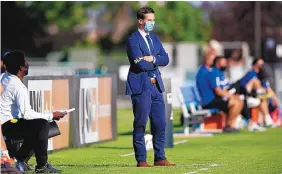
{"x": 94, "y": 165}
{"x": 176, "y": 127}
{"x": 130, "y": 133}
{"x": 125, "y": 133}
{"x": 111, "y": 147}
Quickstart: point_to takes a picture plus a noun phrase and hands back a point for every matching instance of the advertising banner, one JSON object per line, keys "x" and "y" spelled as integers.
{"x": 94, "y": 100}
{"x": 47, "y": 96}
{"x": 95, "y": 117}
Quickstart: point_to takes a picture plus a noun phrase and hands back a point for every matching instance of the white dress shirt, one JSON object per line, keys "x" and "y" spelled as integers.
{"x": 143, "y": 34}
{"x": 14, "y": 101}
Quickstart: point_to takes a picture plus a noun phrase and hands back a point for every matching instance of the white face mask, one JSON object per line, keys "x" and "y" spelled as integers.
{"x": 149, "y": 26}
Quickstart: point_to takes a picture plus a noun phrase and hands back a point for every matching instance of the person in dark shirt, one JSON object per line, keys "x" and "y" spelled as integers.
{"x": 256, "y": 86}
{"x": 219, "y": 68}
{"x": 213, "y": 95}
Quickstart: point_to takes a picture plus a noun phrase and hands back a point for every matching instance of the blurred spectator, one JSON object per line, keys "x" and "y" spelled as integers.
{"x": 236, "y": 66}
{"x": 240, "y": 92}
{"x": 213, "y": 96}
{"x": 257, "y": 88}
{"x": 236, "y": 57}
{"x": 274, "y": 101}
{"x": 215, "y": 45}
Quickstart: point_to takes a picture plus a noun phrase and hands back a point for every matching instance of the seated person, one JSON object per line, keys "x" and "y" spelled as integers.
{"x": 274, "y": 102}
{"x": 213, "y": 96}
{"x": 12, "y": 148}
{"x": 5, "y": 157}
{"x": 220, "y": 67}
{"x": 253, "y": 86}
{"x": 19, "y": 120}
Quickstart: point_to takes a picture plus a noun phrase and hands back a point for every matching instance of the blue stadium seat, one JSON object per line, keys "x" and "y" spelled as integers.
{"x": 192, "y": 98}
{"x": 192, "y": 111}
{"x": 189, "y": 96}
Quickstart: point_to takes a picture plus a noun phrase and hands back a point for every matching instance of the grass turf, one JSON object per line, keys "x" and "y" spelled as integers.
{"x": 246, "y": 152}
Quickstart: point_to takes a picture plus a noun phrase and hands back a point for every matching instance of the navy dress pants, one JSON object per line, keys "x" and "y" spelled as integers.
{"x": 149, "y": 104}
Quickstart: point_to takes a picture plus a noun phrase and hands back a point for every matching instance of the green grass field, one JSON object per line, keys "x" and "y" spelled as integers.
{"x": 244, "y": 153}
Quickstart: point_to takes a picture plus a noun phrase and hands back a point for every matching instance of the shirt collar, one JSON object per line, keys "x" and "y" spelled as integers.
{"x": 12, "y": 76}
{"x": 207, "y": 68}
{"x": 143, "y": 34}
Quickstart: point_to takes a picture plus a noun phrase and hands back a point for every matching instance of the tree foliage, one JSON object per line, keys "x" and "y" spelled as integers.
{"x": 175, "y": 21}
{"x": 66, "y": 14}
{"x": 180, "y": 21}
{"x": 235, "y": 21}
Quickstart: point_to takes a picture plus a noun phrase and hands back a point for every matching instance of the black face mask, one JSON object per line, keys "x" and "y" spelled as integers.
{"x": 26, "y": 69}
{"x": 261, "y": 68}
{"x": 262, "y": 75}
{"x": 236, "y": 58}
{"x": 223, "y": 68}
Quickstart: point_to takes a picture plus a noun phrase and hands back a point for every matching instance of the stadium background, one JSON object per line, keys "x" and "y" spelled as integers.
{"x": 70, "y": 44}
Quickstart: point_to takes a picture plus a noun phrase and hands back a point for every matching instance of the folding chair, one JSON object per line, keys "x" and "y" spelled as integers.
{"x": 191, "y": 108}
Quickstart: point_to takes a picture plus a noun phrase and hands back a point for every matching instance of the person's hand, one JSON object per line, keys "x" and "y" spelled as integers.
{"x": 148, "y": 58}
{"x": 58, "y": 115}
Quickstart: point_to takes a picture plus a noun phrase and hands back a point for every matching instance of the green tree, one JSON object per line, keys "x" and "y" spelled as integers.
{"x": 175, "y": 21}
{"x": 180, "y": 21}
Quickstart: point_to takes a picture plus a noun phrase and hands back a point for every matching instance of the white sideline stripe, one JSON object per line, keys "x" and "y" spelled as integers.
{"x": 175, "y": 143}
{"x": 129, "y": 154}
{"x": 180, "y": 142}
{"x": 202, "y": 169}
{"x": 207, "y": 165}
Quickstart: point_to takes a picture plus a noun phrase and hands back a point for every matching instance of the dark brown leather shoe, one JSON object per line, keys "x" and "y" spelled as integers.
{"x": 143, "y": 164}
{"x": 163, "y": 163}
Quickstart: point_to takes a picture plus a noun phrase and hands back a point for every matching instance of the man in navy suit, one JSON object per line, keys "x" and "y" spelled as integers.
{"x": 144, "y": 84}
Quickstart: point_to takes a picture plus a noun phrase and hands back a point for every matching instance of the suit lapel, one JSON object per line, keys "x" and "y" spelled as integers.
{"x": 142, "y": 43}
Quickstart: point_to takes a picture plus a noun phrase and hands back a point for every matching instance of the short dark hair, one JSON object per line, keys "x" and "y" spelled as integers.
{"x": 142, "y": 11}
{"x": 255, "y": 61}
{"x": 4, "y": 57}
{"x": 14, "y": 60}
{"x": 217, "y": 59}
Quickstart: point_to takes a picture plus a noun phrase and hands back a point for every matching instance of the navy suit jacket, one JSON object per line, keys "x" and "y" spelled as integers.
{"x": 138, "y": 80}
